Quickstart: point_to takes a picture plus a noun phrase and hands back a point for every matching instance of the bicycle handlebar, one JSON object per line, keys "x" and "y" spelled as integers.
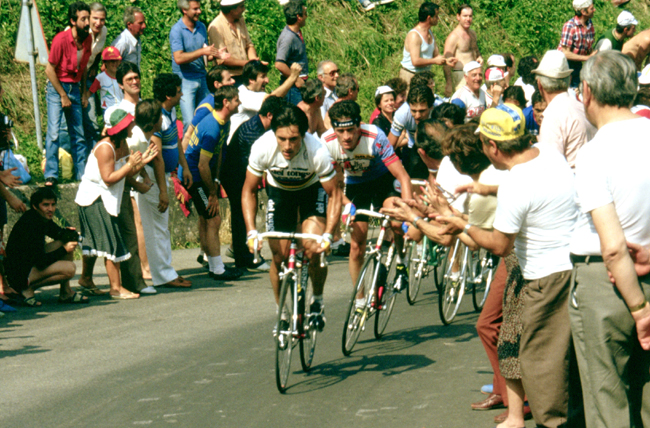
{"x": 288, "y": 235}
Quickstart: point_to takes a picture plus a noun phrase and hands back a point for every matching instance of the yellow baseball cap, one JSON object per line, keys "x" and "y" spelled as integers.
{"x": 502, "y": 123}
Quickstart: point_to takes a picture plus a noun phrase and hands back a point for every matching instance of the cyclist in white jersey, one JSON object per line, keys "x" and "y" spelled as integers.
{"x": 300, "y": 180}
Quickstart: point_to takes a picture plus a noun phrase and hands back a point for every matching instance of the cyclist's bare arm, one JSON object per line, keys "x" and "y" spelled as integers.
{"x": 249, "y": 199}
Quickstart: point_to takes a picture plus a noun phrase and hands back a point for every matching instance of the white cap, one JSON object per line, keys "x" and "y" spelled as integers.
{"x": 230, "y": 2}
{"x": 553, "y": 65}
{"x": 644, "y": 76}
{"x": 582, "y": 4}
{"x": 496, "y": 61}
{"x": 383, "y": 90}
{"x": 626, "y": 19}
{"x": 472, "y": 65}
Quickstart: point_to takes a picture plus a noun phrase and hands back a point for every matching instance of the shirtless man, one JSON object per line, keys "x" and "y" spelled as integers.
{"x": 461, "y": 44}
{"x": 313, "y": 96}
{"x": 638, "y": 48}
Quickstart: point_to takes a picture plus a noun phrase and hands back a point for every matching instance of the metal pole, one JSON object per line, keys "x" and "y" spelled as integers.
{"x": 32, "y": 52}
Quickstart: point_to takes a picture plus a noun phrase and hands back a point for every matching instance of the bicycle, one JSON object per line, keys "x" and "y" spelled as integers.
{"x": 293, "y": 325}
{"x": 376, "y": 283}
{"x": 423, "y": 258}
{"x": 476, "y": 268}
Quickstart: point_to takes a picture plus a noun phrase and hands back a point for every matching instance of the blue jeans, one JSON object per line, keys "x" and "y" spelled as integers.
{"x": 91, "y": 128}
{"x": 194, "y": 90}
{"x": 74, "y": 118}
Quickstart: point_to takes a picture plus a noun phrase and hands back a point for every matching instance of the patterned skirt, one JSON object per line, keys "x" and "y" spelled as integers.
{"x": 513, "y": 308}
{"x": 101, "y": 234}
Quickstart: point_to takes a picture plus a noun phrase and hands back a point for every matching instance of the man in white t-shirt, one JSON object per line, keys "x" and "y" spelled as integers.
{"x": 536, "y": 214}
{"x": 252, "y": 94}
{"x": 470, "y": 97}
{"x": 609, "y": 321}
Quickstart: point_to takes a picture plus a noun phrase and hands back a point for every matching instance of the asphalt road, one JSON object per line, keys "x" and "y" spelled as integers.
{"x": 204, "y": 357}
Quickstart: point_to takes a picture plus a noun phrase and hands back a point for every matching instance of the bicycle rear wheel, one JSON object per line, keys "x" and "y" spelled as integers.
{"x": 417, "y": 258}
{"x": 356, "y": 319}
{"x": 453, "y": 287}
{"x": 386, "y": 301}
{"x": 439, "y": 267}
{"x": 487, "y": 266}
{"x": 284, "y": 338}
{"x": 309, "y": 331}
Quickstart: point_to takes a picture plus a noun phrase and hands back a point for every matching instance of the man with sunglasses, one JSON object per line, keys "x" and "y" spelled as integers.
{"x": 328, "y": 73}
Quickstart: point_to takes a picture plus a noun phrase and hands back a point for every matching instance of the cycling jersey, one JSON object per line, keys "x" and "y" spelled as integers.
{"x": 368, "y": 161}
{"x": 312, "y": 164}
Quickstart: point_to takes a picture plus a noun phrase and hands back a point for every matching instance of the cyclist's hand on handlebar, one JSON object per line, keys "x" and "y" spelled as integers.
{"x": 251, "y": 238}
{"x": 326, "y": 244}
{"x": 348, "y": 211}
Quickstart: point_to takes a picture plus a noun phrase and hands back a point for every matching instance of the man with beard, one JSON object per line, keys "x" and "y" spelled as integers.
{"x": 69, "y": 55}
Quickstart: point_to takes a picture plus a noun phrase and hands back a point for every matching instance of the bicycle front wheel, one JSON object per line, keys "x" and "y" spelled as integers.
{"x": 356, "y": 319}
{"x": 385, "y": 301}
{"x": 487, "y": 266}
{"x": 284, "y": 338}
{"x": 453, "y": 288}
{"x": 441, "y": 254}
{"x": 417, "y": 259}
{"x": 309, "y": 331}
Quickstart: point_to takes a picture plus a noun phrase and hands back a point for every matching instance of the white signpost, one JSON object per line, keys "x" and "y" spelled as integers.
{"x": 31, "y": 47}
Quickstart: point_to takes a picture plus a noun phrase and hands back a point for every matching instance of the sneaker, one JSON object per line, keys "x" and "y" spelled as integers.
{"x": 51, "y": 182}
{"x": 261, "y": 266}
{"x": 402, "y": 278}
{"x": 317, "y": 314}
{"x": 228, "y": 275}
{"x": 6, "y": 308}
{"x": 148, "y": 290}
{"x": 200, "y": 259}
{"x": 367, "y": 5}
{"x": 384, "y": 1}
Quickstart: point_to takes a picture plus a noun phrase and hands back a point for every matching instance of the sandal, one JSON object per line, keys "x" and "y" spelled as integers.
{"x": 125, "y": 296}
{"x": 92, "y": 291}
{"x": 31, "y": 302}
{"x": 75, "y": 298}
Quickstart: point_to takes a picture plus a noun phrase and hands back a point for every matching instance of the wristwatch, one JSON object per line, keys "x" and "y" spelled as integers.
{"x": 415, "y": 221}
{"x": 466, "y": 228}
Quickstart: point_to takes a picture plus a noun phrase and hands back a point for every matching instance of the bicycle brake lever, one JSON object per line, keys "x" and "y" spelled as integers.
{"x": 256, "y": 253}
{"x": 323, "y": 260}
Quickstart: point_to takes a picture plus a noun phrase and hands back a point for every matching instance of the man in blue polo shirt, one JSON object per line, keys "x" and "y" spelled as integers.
{"x": 203, "y": 156}
{"x": 188, "y": 39}
{"x": 291, "y": 47}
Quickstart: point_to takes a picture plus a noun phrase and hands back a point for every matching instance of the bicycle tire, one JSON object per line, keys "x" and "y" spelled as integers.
{"x": 309, "y": 331}
{"x": 283, "y": 354}
{"x": 354, "y": 322}
{"x": 439, "y": 268}
{"x": 452, "y": 292}
{"x": 487, "y": 267}
{"x": 386, "y": 302}
{"x": 417, "y": 265}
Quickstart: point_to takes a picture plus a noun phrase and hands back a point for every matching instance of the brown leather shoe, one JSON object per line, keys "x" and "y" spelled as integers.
{"x": 503, "y": 416}
{"x": 494, "y": 401}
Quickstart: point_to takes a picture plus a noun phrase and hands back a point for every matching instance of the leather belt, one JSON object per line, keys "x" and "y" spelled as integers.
{"x": 586, "y": 259}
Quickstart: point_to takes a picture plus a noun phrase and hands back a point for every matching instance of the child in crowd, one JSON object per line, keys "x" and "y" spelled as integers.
{"x": 105, "y": 82}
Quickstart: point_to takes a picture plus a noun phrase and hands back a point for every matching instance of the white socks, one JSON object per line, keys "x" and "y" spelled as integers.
{"x": 216, "y": 265}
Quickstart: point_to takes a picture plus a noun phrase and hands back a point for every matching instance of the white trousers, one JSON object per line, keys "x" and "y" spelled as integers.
{"x": 156, "y": 237}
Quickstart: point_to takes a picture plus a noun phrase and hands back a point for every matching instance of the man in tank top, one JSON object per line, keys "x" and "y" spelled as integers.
{"x": 420, "y": 50}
